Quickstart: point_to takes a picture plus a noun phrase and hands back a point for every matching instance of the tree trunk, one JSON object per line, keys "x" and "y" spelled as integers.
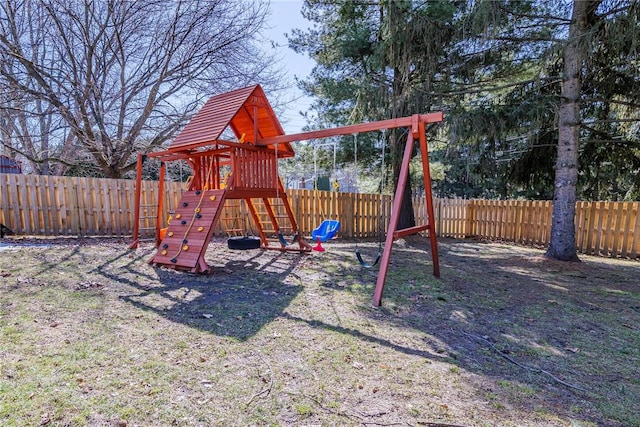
{"x": 406, "y": 218}
{"x": 563, "y": 238}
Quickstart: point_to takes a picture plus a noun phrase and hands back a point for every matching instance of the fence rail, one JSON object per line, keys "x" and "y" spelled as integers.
{"x": 64, "y": 206}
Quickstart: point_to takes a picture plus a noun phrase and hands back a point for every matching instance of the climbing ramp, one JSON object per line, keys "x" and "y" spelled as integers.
{"x": 192, "y": 226}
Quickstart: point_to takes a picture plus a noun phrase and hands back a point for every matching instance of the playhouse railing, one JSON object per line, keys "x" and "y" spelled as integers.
{"x": 253, "y": 170}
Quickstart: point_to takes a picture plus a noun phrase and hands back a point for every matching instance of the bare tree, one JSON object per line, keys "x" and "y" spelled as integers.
{"x": 31, "y": 128}
{"x": 124, "y": 76}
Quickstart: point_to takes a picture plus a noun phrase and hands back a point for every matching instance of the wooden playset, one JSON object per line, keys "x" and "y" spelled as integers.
{"x": 246, "y": 169}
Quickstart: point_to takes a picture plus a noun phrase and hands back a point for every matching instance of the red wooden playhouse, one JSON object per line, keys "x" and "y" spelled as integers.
{"x": 223, "y": 170}
{"x": 246, "y": 169}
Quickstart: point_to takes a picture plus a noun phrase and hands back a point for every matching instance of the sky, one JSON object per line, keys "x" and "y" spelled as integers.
{"x": 285, "y": 16}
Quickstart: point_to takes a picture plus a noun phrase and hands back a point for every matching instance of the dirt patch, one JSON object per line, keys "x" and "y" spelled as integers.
{"x": 92, "y": 335}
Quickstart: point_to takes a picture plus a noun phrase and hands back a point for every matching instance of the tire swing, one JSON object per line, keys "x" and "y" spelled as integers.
{"x": 244, "y": 243}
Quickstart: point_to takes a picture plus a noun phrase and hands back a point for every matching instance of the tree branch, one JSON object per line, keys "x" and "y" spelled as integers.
{"x": 521, "y": 365}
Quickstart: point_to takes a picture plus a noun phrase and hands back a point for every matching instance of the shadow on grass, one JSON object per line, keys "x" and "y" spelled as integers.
{"x": 537, "y": 334}
{"x": 544, "y": 333}
{"x": 237, "y": 299}
{"x": 318, "y": 324}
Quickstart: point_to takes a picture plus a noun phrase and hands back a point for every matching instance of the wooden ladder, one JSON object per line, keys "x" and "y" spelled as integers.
{"x": 272, "y": 215}
{"x": 147, "y": 223}
{"x": 233, "y": 219}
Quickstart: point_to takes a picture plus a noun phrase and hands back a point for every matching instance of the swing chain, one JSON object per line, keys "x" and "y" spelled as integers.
{"x": 383, "y": 177}
{"x": 362, "y": 262}
{"x": 355, "y": 168}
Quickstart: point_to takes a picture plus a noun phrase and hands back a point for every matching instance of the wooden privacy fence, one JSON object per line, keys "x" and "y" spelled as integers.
{"x": 602, "y": 228}
{"x": 64, "y": 206}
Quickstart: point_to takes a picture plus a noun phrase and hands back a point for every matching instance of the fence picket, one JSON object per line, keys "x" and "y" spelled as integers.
{"x": 627, "y": 230}
{"x": 635, "y": 240}
{"x": 615, "y": 229}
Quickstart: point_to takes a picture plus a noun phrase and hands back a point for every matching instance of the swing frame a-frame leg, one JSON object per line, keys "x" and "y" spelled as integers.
{"x": 417, "y": 129}
{"x": 417, "y": 126}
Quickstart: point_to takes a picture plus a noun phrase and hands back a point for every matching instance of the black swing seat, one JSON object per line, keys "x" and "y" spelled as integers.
{"x": 363, "y": 263}
{"x": 284, "y": 242}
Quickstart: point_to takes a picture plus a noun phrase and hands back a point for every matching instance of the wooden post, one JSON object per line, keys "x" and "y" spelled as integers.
{"x": 429, "y": 199}
{"x": 161, "y": 175}
{"x": 393, "y": 222}
{"x": 136, "y": 211}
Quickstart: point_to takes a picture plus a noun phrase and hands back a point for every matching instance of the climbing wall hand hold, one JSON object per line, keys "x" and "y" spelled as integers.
{"x": 174, "y": 260}
{"x": 170, "y": 234}
{"x": 164, "y": 252}
{"x": 200, "y": 228}
{"x": 185, "y": 248}
{"x": 178, "y": 216}
{"x": 185, "y": 204}
{"x": 197, "y": 210}
{"x": 185, "y": 241}
{"x": 198, "y": 216}
{"x": 183, "y": 222}
{"x": 212, "y": 198}
{"x": 198, "y": 192}
{"x": 165, "y": 246}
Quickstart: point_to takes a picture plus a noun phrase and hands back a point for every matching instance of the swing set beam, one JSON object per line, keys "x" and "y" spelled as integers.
{"x": 417, "y": 130}
{"x": 402, "y": 122}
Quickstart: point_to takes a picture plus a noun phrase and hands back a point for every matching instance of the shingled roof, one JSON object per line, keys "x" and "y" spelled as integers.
{"x": 238, "y": 110}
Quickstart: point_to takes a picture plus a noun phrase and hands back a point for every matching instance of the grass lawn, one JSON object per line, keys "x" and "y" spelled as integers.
{"x": 91, "y": 335}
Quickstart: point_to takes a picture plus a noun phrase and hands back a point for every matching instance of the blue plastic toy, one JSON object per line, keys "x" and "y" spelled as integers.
{"x": 325, "y": 231}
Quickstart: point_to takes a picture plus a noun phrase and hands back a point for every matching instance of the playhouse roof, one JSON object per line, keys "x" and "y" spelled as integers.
{"x": 238, "y": 110}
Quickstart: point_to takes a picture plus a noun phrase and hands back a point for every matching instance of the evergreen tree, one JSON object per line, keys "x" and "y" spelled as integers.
{"x": 375, "y": 61}
{"x": 507, "y": 138}
{"x": 539, "y": 103}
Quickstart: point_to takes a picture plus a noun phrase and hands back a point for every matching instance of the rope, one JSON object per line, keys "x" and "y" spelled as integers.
{"x": 281, "y": 238}
{"x": 315, "y": 179}
{"x": 362, "y": 262}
